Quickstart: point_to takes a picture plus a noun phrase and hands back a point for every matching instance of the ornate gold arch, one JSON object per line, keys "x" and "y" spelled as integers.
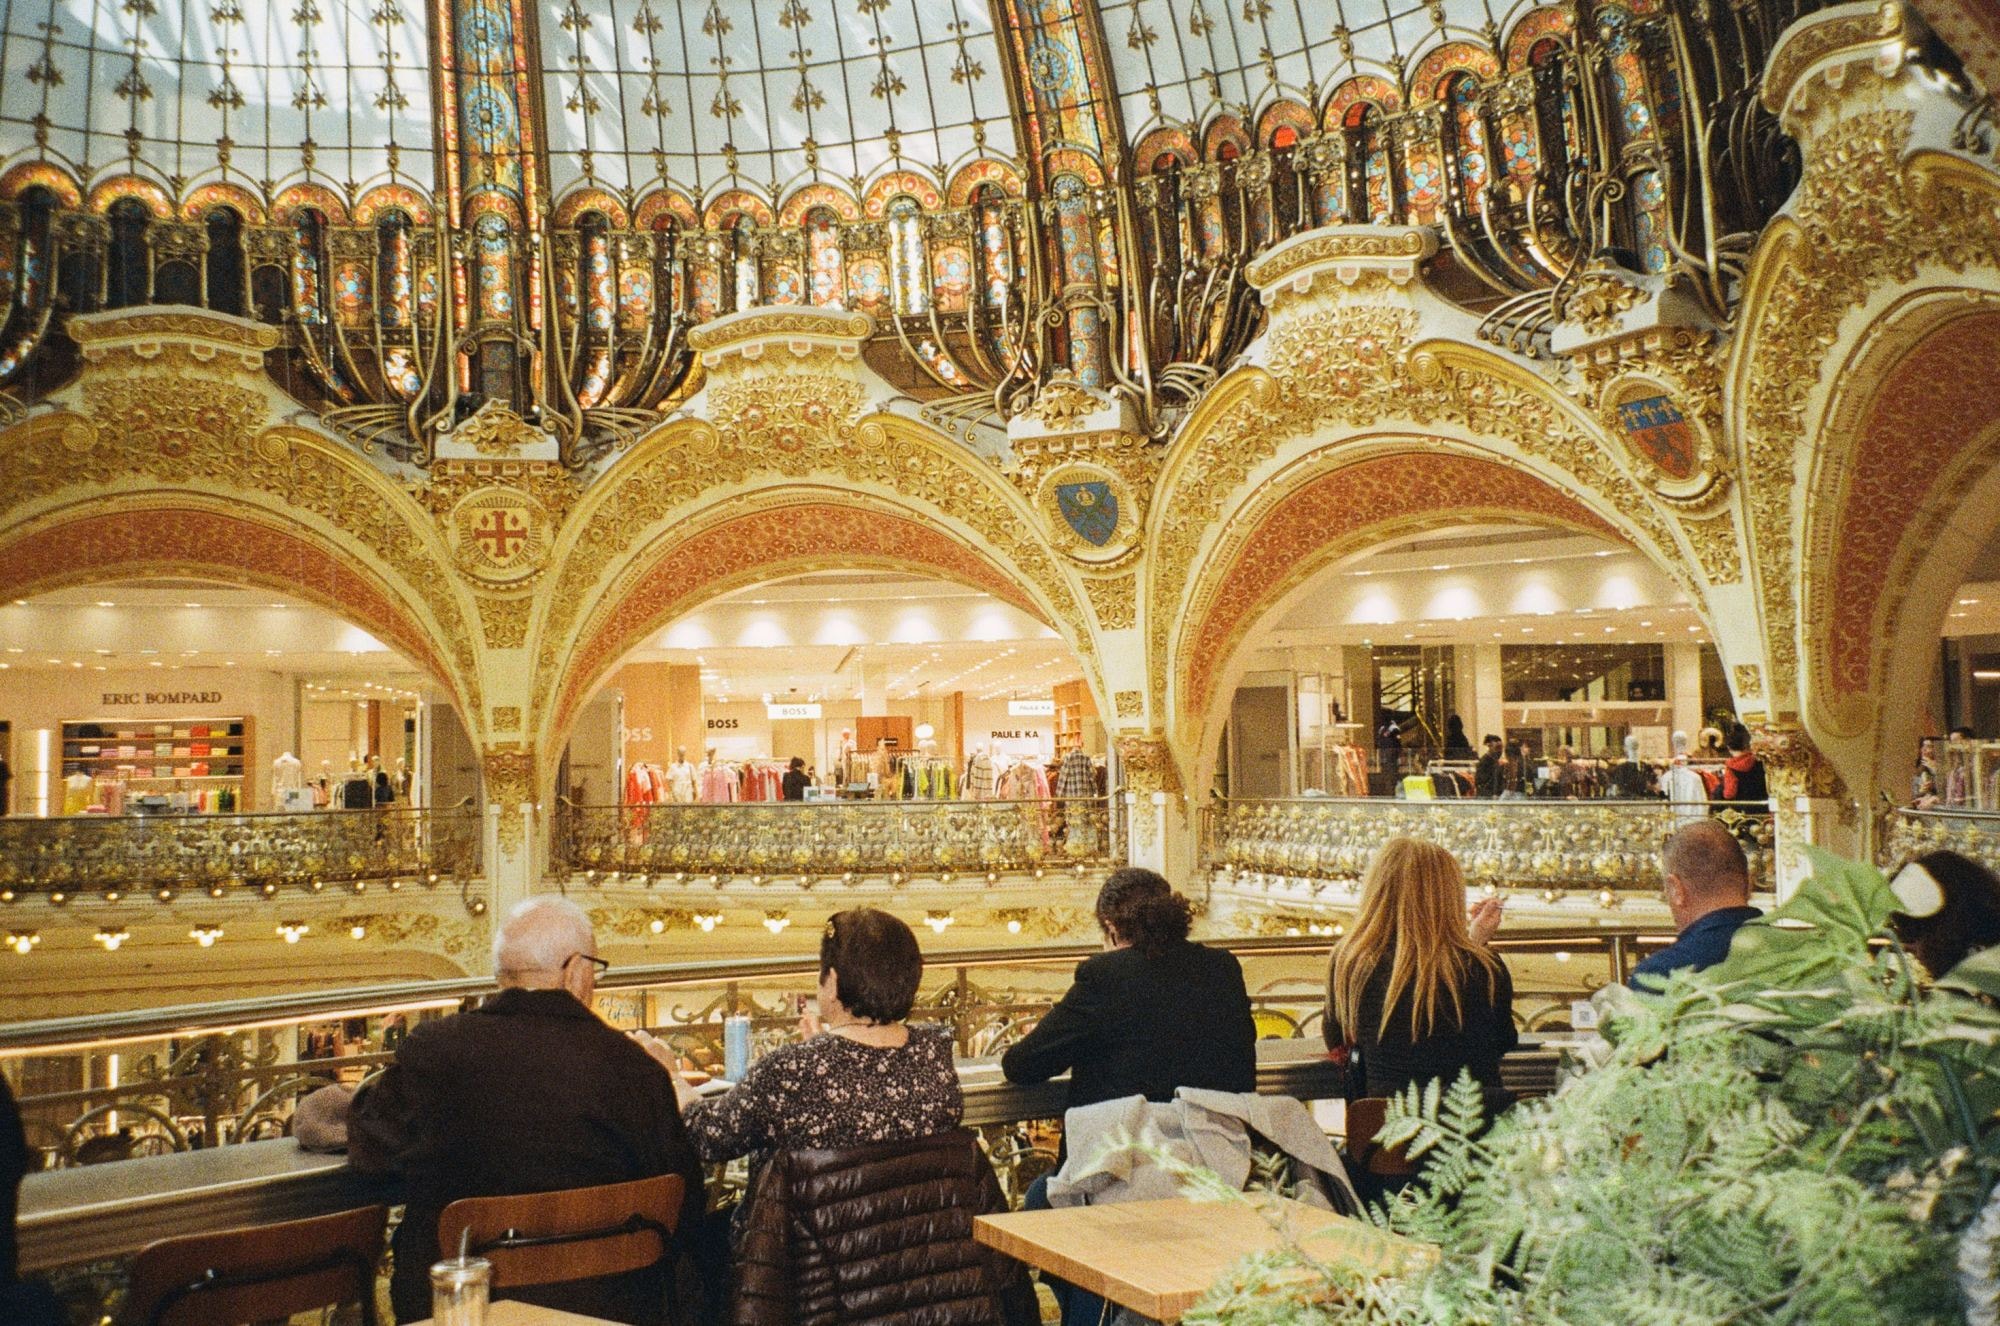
{"x": 1325, "y": 508}
{"x": 179, "y": 535}
{"x": 1909, "y": 434}
{"x": 779, "y": 435}
{"x": 1358, "y": 369}
{"x": 177, "y": 442}
{"x": 754, "y": 539}
{"x": 1864, "y": 222}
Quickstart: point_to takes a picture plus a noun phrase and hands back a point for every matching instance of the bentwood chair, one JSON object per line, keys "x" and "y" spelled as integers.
{"x": 266, "y": 1273}
{"x": 548, "y": 1238}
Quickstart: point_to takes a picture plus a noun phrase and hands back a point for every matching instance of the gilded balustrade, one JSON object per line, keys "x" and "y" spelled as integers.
{"x": 1973, "y": 833}
{"x": 833, "y": 838}
{"x": 1507, "y": 843}
{"x": 67, "y": 857}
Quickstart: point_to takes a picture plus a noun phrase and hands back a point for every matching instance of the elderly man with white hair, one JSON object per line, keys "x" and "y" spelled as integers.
{"x": 529, "y": 1092}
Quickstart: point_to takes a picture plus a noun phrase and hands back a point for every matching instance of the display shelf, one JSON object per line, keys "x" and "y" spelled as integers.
{"x": 199, "y": 754}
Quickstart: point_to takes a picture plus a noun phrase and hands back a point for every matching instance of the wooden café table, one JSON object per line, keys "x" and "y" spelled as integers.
{"x": 1159, "y": 1258}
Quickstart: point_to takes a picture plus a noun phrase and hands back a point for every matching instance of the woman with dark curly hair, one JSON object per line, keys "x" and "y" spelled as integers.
{"x": 1155, "y": 1011}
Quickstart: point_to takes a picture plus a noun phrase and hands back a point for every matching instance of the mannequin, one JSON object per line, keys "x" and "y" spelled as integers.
{"x": 843, "y": 762}
{"x": 288, "y": 784}
{"x": 681, "y": 777}
{"x": 880, "y": 763}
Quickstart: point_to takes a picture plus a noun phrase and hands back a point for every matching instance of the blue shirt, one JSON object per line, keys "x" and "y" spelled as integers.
{"x": 1704, "y": 943}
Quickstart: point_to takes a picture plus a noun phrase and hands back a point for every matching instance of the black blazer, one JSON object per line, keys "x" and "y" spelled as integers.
{"x": 530, "y": 1092}
{"x": 1134, "y": 1025}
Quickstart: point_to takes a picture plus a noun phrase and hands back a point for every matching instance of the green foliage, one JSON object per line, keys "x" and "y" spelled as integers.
{"x": 1804, "y": 1134}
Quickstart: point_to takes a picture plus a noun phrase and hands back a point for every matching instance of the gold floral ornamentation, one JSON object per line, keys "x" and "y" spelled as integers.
{"x": 1718, "y": 548}
{"x": 1149, "y": 763}
{"x": 1129, "y": 704}
{"x": 1798, "y": 769}
{"x": 143, "y": 411}
{"x": 1749, "y": 684}
{"x": 637, "y": 922}
{"x": 454, "y": 938}
{"x": 510, "y": 784}
{"x": 498, "y": 432}
{"x": 504, "y": 620}
{"x": 1599, "y": 300}
{"x": 1115, "y": 599}
{"x": 506, "y": 718}
{"x": 1063, "y": 403}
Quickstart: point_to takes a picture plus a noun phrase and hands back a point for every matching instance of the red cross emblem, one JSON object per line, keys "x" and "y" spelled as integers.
{"x": 501, "y": 533}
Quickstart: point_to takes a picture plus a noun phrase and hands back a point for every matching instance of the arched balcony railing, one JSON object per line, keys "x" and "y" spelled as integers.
{"x": 96, "y": 857}
{"x": 1517, "y": 843}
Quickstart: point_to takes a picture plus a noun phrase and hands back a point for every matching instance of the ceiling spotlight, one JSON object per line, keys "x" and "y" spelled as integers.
{"x": 939, "y": 922}
{"x": 1013, "y": 925}
{"x": 658, "y": 925}
{"x": 776, "y": 922}
{"x": 357, "y": 931}
{"x": 164, "y": 894}
{"x": 205, "y": 935}
{"x": 113, "y": 895}
{"x": 23, "y": 941}
{"x": 707, "y": 921}
{"x": 58, "y": 897}
{"x": 112, "y": 936}
{"x": 293, "y": 931}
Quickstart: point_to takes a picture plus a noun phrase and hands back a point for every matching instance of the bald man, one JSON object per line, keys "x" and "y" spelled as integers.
{"x": 1708, "y": 891}
{"x": 529, "y": 1092}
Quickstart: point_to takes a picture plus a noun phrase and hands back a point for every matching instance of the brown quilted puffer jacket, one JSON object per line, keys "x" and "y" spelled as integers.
{"x": 878, "y": 1234}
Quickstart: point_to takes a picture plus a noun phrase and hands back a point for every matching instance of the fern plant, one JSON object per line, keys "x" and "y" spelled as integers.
{"x": 1803, "y": 1134}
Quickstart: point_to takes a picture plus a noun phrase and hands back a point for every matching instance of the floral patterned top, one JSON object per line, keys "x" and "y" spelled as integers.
{"x": 831, "y": 1091}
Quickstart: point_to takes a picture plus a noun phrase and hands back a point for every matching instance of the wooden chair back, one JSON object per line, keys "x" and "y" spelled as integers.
{"x": 549, "y": 1238}
{"x": 1365, "y": 1118}
{"x": 266, "y": 1273}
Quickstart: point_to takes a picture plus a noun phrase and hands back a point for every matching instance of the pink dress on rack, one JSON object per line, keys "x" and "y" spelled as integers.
{"x": 718, "y": 784}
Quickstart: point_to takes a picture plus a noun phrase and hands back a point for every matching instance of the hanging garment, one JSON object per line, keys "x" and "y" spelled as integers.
{"x": 718, "y": 783}
{"x": 1075, "y": 778}
{"x": 980, "y": 783}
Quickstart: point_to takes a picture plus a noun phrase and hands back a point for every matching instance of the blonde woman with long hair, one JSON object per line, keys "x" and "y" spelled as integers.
{"x": 1414, "y": 986}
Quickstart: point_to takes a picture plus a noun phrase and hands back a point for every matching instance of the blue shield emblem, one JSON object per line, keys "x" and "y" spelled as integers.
{"x": 1662, "y": 434}
{"x": 1091, "y": 510}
